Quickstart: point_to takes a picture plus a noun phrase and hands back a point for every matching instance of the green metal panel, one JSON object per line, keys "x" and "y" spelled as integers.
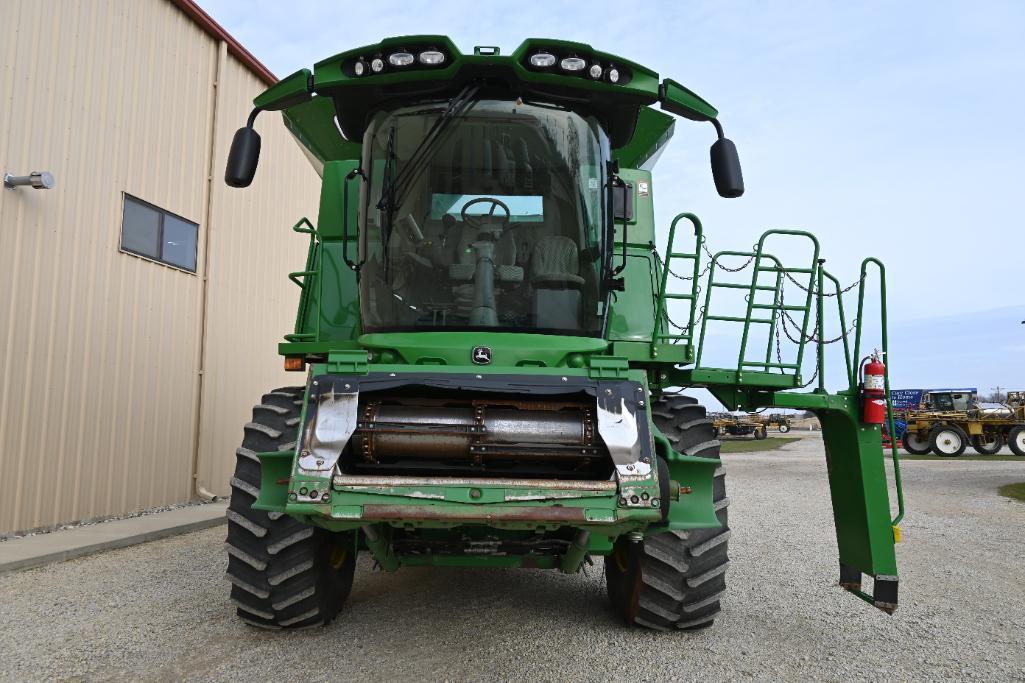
{"x": 686, "y": 103}
{"x": 508, "y": 349}
{"x": 632, "y": 311}
{"x": 288, "y": 92}
{"x": 641, "y": 229}
{"x": 654, "y": 130}
{"x": 857, "y": 482}
{"x": 312, "y": 125}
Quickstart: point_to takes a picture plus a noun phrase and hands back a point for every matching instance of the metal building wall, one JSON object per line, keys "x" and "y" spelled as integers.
{"x": 250, "y": 302}
{"x": 101, "y": 351}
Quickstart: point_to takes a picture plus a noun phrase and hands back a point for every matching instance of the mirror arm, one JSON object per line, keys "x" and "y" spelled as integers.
{"x": 251, "y": 121}
{"x": 718, "y": 129}
{"x": 345, "y": 218}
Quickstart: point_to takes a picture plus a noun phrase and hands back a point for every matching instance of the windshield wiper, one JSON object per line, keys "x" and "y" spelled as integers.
{"x": 395, "y": 192}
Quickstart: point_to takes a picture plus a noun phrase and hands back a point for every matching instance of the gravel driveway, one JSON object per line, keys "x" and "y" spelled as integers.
{"x": 160, "y": 611}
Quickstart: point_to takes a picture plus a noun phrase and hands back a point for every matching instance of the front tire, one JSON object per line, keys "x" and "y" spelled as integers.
{"x": 284, "y": 574}
{"x": 784, "y": 428}
{"x": 1016, "y": 440}
{"x": 948, "y": 441}
{"x": 675, "y": 579}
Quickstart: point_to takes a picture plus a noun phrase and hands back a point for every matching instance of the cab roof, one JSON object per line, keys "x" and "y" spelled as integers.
{"x": 327, "y": 109}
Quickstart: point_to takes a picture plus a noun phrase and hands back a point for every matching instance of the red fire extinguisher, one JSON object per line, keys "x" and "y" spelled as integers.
{"x": 873, "y": 391}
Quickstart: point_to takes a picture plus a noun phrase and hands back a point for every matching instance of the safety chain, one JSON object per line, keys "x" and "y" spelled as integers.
{"x": 711, "y": 256}
{"x": 811, "y": 291}
{"x": 686, "y": 278}
{"x": 683, "y": 328}
{"x": 785, "y": 317}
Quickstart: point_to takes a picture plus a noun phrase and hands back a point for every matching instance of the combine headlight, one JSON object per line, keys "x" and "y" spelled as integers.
{"x": 377, "y": 65}
{"x": 400, "y": 59}
{"x": 614, "y": 75}
{"x": 359, "y": 68}
{"x": 594, "y": 71}
{"x": 572, "y": 64}
{"x": 542, "y": 60}
{"x": 432, "y": 57}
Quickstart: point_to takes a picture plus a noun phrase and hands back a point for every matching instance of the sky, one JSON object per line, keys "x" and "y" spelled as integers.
{"x": 887, "y": 129}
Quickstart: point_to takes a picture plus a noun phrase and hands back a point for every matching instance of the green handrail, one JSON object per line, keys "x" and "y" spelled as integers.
{"x": 759, "y": 253}
{"x": 843, "y": 322}
{"x": 656, "y": 335}
{"x": 775, "y": 307}
{"x": 304, "y": 226}
{"x": 886, "y": 372}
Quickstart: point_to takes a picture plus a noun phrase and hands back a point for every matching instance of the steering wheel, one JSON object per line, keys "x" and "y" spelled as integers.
{"x": 478, "y": 221}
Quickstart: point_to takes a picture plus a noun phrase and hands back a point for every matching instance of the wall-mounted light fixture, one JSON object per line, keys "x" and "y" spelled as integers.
{"x": 40, "y": 180}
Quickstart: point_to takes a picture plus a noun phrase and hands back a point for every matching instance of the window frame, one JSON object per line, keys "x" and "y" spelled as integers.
{"x": 162, "y": 213}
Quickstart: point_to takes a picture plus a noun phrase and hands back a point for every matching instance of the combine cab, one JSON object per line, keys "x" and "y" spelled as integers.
{"x": 491, "y": 367}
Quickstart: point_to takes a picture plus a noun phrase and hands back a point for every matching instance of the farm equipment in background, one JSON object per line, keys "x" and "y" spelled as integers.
{"x": 491, "y": 362}
{"x": 739, "y": 424}
{"x": 780, "y": 421}
{"x": 946, "y": 421}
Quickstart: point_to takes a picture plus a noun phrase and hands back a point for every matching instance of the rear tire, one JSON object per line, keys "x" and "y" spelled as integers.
{"x": 948, "y": 441}
{"x": 675, "y": 579}
{"x": 1016, "y": 440}
{"x": 761, "y": 433}
{"x": 915, "y": 445}
{"x": 284, "y": 574}
{"x": 987, "y": 447}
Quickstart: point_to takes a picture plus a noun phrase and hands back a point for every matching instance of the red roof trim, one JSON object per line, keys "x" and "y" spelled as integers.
{"x": 206, "y": 22}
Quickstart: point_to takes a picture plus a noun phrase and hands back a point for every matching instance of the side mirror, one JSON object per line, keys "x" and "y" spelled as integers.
{"x": 243, "y": 157}
{"x": 729, "y": 180}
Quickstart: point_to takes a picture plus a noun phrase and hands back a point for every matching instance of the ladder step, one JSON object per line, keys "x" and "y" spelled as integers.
{"x": 738, "y": 285}
{"x": 669, "y": 295}
{"x": 734, "y": 319}
{"x": 774, "y": 269}
{"x": 779, "y": 308}
{"x": 790, "y": 366}
{"x": 680, "y": 254}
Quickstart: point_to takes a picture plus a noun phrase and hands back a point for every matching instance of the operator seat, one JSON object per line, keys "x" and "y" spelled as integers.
{"x": 555, "y": 276}
{"x": 465, "y": 258}
{"x": 555, "y": 262}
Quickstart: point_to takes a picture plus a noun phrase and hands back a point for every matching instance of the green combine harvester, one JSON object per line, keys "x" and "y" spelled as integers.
{"x": 492, "y": 373}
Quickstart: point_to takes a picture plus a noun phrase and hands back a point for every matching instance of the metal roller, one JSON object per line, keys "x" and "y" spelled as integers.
{"x": 393, "y": 431}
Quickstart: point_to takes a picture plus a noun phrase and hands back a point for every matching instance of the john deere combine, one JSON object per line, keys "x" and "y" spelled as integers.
{"x": 491, "y": 366}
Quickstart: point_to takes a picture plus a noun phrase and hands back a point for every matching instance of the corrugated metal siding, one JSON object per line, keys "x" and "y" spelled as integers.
{"x": 250, "y": 301}
{"x": 99, "y": 350}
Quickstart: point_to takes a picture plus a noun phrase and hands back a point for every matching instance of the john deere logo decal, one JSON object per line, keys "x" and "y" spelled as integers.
{"x": 481, "y": 355}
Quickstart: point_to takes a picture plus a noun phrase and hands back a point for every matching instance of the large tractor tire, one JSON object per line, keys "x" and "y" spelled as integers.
{"x": 284, "y": 574}
{"x": 948, "y": 441}
{"x": 675, "y": 579}
{"x": 784, "y": 428}
{"x": 1016, "y": 439}
{"x": 916, "y": 445}
{"x": 761, "y": 432}
{"x": 991, "y": 447}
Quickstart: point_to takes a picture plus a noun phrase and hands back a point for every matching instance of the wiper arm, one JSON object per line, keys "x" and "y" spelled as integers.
{"x": 396, "y": 191}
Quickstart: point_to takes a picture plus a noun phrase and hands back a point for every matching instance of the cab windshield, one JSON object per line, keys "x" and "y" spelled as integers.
{"x": 496, "y": 221}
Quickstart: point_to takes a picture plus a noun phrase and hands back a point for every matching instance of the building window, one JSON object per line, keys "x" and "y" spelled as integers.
{"x": 149, "y": 231}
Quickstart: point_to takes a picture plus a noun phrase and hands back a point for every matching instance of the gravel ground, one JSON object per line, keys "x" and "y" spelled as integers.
{"x": 160, "y": 611}
{"x": 100, "y": 520}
